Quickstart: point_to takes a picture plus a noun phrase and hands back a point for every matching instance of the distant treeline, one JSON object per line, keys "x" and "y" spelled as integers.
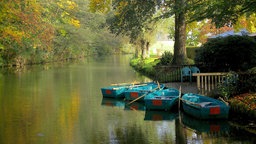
{"x": 35, "y": 32}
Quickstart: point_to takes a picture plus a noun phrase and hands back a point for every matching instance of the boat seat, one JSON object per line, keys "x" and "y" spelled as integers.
{"x": 203, "y": 104}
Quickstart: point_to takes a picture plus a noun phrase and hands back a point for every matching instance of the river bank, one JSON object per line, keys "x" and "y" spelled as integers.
{"x": 242, "y": 107}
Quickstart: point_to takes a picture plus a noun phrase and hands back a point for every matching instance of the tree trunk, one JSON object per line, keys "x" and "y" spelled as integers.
{"x": 147, "y": 49}
{"x": 180, "y": 54}
{"x": 142, "y": 44}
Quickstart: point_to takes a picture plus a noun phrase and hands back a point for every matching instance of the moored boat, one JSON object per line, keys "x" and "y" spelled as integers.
{"x": 114, "y": 91}
{"x": 141, "y": 91}
{"x": 204, "y": 107}
{"x": 163, "y": 99}
{"x": 117, "y": 90}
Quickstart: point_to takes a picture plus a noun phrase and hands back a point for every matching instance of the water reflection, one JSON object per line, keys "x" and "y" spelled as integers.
{"x": 113, "y": 102}
{"x": 135, "y": 106}
{"x": 207, "y": 126}
{"x": 160, "y": 115}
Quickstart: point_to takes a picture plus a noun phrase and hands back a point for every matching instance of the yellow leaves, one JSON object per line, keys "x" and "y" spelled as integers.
{"x": 70, "y": 5}
{"x": 60, "y": 4}
{"x": 14, "y": 33}
{"x": 101, "y": 6}
{"x": 247, "y": 22}
{"x": 75, "y": 22}
{"x": 252, "y": 23}
{"x": 64, "y": 14}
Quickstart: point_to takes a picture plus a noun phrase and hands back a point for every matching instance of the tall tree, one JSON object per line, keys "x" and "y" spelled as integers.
{"x": 180, "y": 54}
{"x": 133, "y": 16}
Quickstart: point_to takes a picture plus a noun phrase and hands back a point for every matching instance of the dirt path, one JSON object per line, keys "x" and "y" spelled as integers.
{"x": 186, "y": 87}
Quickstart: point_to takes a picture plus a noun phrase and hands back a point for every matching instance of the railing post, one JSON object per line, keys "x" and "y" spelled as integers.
{"x": 207, "y": 82}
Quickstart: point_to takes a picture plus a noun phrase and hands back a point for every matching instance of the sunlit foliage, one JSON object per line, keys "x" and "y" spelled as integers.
{"x": 33, "y": 32}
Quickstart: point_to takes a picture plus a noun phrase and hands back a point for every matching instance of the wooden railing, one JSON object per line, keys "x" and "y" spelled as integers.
{"x": 206, "y": 82}
{"x": 171, "y": 73}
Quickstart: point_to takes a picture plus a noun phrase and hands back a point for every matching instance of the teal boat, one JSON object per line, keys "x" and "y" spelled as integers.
{"x": 141, "y": 91}
{"x": 117, "y": 90}
{"x": 114, "y": 91}
{"x": 204, "y": 107}
{"x": 163, "y": 99}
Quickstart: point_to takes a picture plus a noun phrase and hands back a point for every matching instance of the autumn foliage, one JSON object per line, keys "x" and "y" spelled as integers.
{"x": 244, "y": 104}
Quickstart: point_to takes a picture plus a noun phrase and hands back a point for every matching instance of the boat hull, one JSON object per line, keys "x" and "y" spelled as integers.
{"x": 162, "y": 99}
{"x": 114, "y": 91}
{"x": 204, "y": 107}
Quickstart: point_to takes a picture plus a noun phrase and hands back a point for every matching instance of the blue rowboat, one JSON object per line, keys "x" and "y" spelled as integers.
{"x": 163, "y": 99}
{"x": 204, "y": 107}
{"x": 117, "y": 90}
{"x": 134, "y": 93}
{"x": 114, "y": 91}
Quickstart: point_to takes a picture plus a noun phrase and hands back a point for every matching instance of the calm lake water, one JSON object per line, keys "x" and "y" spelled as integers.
{"x": 62, "y": 104}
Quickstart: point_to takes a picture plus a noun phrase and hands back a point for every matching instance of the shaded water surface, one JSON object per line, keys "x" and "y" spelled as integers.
{"x": 62, "y": 104}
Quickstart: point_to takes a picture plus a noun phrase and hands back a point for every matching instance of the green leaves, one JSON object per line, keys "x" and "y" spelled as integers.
{"x": 131, "y": 17}
{"x": 221, "y": 12}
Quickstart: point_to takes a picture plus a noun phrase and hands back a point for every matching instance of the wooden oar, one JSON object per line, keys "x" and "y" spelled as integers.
{"x": 158, "y": 84}
{"x": 121, "y": 84}
{"x": 142, "y": 96}
{"x": 132, "y": 83}
{"x": 129, "y": 86}
{"x": 138, "y": 85}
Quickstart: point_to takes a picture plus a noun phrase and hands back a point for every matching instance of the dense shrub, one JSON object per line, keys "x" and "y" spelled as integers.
{"x": 228, "y": 87}
{"x": 236, "y": 53}
{"x": 145, "y": 66}
{"x": 166, "y": 58}
{"x": 247, "y": 81}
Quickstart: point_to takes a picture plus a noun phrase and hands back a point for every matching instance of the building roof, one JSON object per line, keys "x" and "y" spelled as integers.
{"x": 232, "y": 33}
